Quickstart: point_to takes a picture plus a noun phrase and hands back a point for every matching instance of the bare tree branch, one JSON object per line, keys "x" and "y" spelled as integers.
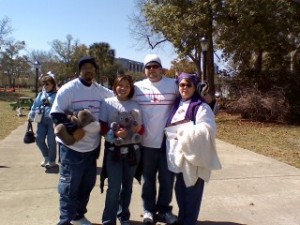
{"x": 5, "y": 29}
{"x": 156, "y": 43}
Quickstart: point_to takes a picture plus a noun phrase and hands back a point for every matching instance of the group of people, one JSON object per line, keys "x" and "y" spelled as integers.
{"x": 132, "y": 118}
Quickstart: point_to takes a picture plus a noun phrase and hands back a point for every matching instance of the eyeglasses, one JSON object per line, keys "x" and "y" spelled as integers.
{"x": 46, "y": 84}
{"x": 182, "y": 85}
{"x": 152, "y": 66}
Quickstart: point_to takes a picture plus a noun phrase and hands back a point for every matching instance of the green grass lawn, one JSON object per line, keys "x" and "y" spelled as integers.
{"x": 279, "y": 141}
{"x": 9, "y": 120}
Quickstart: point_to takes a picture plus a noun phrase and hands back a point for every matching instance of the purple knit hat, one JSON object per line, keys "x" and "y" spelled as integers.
{"x": 192, "y": 77}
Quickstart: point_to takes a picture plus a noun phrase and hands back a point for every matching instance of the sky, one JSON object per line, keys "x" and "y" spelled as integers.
{"x": 40, "y": 22}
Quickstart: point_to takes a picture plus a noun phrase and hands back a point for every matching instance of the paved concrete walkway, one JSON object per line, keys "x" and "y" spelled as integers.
{"x": 250, "y": 189}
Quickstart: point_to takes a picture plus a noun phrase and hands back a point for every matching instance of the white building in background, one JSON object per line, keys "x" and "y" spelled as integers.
{"x": 131, "y": 65}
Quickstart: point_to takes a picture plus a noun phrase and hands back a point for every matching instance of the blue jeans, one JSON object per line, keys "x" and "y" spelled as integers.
{"x": 120, "y": 178}
{"x": 155, "y": 162}
{"x": 78, "y": 173}
{"x": 45, "y": 130}
{"x": 189, "y": 200}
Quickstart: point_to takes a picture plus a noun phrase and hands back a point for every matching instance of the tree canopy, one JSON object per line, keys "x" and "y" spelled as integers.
{"x": 251, "y": 34}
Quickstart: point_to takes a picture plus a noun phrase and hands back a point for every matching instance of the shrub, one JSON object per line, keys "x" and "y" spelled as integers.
{"x": 268, "y": 106}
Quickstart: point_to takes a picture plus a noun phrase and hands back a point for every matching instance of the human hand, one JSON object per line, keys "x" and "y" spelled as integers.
{"x": 136, "y": 128}
{"x": 78, "y": 134}
{"x": 208, "y": 98}
{"x": 122, "y": 133}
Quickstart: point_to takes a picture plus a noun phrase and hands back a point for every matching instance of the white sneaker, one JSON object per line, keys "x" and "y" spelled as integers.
{"x": 82, "y": 221}
{"x": 169, "y": 217}
{"x": 148, "y": 217}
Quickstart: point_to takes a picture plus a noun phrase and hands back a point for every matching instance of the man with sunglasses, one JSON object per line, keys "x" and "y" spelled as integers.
{"x": 156, "y": 95}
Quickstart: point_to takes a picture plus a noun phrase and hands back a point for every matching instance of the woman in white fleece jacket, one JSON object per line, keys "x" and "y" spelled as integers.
{"x": 191, "y": 152}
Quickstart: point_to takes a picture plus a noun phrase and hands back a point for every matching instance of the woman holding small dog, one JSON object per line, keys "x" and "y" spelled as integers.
{"x": 122, "y": 119}
{"x": 40, "y": 113}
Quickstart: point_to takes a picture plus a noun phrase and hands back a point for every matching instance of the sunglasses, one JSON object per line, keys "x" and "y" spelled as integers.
{"x": 182, "y": 85}
{"x": 46, "y": 84}
{"x": 152, "y": 66}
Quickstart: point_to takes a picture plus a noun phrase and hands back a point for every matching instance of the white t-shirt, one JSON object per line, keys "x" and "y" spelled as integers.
{"x": 111, "y": 106}
{"x": 73, "y": 97}
{"x": 156, "y": 101}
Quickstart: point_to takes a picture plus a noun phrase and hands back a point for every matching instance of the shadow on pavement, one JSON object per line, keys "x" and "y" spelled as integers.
{"x": 218, "y": 223}
{"x": 132, "y": 222}
{"x": 4, "y": 167}
{"x": 198, "y": 223}
{"x": 99, "y": 170}
{"x": 54, "y": 169}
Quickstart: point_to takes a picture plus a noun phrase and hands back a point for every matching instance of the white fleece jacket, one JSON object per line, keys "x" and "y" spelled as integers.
{"x": 194, "y": 152}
